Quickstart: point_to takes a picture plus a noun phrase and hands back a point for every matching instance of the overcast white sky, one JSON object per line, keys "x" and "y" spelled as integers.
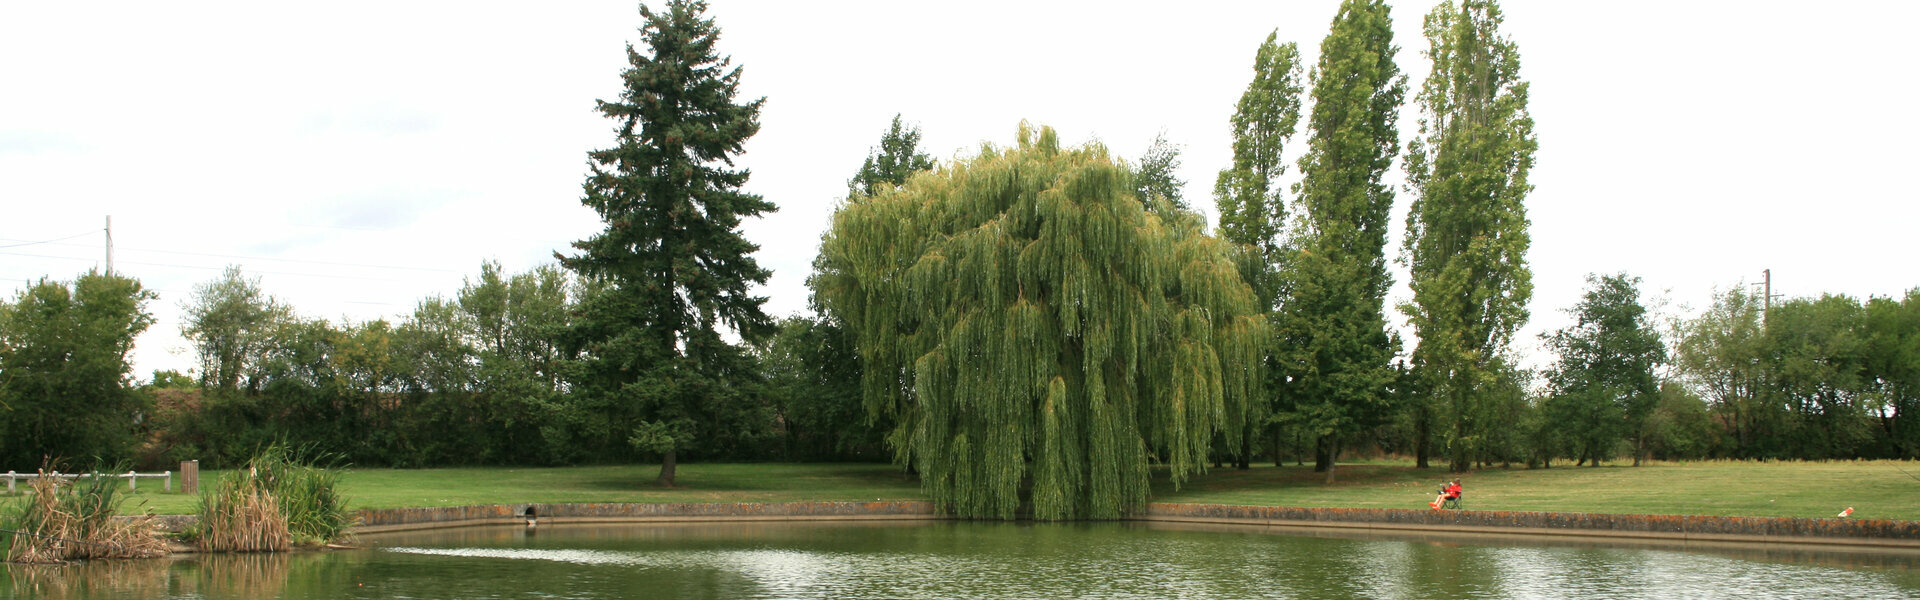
{"x": 361, "y": 156}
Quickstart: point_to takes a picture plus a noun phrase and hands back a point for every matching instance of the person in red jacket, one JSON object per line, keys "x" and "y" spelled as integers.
{"x": 1451, "y": 492}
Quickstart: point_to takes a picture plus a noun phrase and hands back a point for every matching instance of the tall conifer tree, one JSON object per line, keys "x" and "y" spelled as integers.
{"x": 1335, "y": 347}
{"x": 652, "y": 364}
{"x": 1467, "y": 238}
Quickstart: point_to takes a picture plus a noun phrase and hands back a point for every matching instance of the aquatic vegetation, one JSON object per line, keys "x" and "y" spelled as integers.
{"x": 65, "y": 519}
{"x": 279, "y": 500}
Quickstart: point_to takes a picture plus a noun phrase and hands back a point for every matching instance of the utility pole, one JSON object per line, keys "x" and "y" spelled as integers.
{"x": 1766, "y": 294}
{"x": 109, "y": 244}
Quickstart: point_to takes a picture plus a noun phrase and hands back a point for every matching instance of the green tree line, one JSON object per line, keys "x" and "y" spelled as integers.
{"x": 1032, "y": 329}
{"x": 485, "y": 377}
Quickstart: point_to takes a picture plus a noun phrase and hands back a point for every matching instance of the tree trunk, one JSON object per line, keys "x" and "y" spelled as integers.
{"x": 1460, "y": 463}
{"x": 1330, "y": 448}
{"x": 1245, "y": 460}
{"x": 1420, "y": 434}
{"x": 1298, "y": 456}
{"x": 1322, "y": 456}
{"x": 1461, "y": 459}
{"x": 1273, "y": 440}
{"x": 667, "y": 464}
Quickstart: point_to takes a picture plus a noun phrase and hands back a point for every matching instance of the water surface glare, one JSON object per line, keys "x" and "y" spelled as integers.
{"x": 908, "y": 560}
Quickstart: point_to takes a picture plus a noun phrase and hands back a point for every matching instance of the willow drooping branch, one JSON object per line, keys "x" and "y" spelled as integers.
{"x": 1036, "y": 334}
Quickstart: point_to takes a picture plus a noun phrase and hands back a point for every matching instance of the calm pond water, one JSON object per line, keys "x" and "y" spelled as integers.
{"x": 977, "y": 560}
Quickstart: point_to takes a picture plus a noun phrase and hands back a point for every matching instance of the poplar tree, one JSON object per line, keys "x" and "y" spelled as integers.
{"x": 651, "y": 362}
{"x": 1467, "y": 238}
{"x": 1336, "y": 349}
{"x": 1248, "y": 195}
{"x": 1040, "y": 335}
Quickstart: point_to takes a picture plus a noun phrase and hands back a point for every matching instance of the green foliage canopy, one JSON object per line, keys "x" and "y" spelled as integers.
{"x": 65, "y": 384}
{"x": 1604, "y": 387}
{"x": 1818, "y": 370}
{"x": 813, "y": 378}
{"x": 1467, "y": 237}
{"x": 1158, "y": 175}
{"x": 675, "y": 264}
{"x": 1252, "y": 211}
{"x": 1040, "y": 335}
{"x": 229, "y": 321}
{"x": 1718, "y": 355}
{"x": 898, "y": 157}
{"x": 1335, "y": 348}
{"x": 1893, "y": 369}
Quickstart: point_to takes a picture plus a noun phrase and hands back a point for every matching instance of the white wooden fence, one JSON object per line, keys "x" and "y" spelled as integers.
{"x": 133, "y": 479}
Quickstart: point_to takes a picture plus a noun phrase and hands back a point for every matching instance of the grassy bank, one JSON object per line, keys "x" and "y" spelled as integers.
{"x": 393, "y": 488}
{"x": 1876, "y": 489}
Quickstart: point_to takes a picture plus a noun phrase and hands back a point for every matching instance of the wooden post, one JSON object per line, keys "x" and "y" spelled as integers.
{"x": 132, "y": 481}
{"x": 168, "y": 486}
{"x": 9, "y": 482}
{"x": 190, "y": 477}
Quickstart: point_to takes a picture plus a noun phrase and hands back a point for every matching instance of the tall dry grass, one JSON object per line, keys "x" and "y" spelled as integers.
{"x": 279, "y": 500}
{"x": 61, "y": 520}
{"x": 241, "y": 514}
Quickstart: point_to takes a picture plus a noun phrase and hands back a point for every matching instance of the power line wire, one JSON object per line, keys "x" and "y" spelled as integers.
{"x": 51, "y": 241}
{"x": 290, "y": 260}
{"x": 202, "y": 268}
{"x": 296, "y": 260}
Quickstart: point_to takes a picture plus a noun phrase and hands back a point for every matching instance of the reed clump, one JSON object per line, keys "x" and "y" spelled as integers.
{"x": 61, "y": 520}
{"x": 239, "y": 514}
{"x": 278, "y": 501}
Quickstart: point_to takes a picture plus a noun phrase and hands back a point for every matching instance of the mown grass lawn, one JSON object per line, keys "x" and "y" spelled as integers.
{"x": 1876, "y": 489}
{"x": 390, "y": 488}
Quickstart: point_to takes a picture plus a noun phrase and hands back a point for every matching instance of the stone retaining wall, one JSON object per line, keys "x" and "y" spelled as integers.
{"x": 398, "y": 519}
{"x": 1679, "y": 527}
{"x": 1845, "y": 532}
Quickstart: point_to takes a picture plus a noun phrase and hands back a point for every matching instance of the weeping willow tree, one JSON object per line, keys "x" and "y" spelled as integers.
{"x": 1037, "y": 334}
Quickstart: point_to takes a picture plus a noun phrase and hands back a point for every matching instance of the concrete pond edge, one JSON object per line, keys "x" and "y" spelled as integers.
{"x": 1828, "y": 532}
{"x": 1691, "y": 528}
